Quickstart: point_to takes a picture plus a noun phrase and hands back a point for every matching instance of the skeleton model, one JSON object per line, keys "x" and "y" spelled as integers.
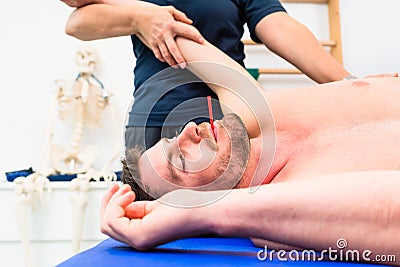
{"x": 82, "y": 104}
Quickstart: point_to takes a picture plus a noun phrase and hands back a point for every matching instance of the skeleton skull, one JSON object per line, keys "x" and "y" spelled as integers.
{"x": 85, "y": 60}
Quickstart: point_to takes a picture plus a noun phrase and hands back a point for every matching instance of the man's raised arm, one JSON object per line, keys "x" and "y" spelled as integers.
{"x": 237, "y": 90}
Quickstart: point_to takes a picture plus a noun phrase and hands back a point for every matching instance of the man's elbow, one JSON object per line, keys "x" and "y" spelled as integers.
{"x": 73, "y": 30}
{"x": 69, "y": 30}
{"x": 74, "y": 26}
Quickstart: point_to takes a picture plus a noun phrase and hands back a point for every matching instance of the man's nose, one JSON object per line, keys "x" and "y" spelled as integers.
{"x": 189, "y": 134}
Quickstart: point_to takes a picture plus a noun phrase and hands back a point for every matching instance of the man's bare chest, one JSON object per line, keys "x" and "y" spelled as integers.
{"x": 371, "y": 146}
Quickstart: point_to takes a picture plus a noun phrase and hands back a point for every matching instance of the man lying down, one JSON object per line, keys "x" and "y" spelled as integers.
{"x": 322, "y": 162}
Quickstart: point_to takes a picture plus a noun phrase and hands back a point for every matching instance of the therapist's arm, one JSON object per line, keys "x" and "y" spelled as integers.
{"x": 156, "y": 26}
{"x": 294, "y": 42}
{"x": 81, "y": 3}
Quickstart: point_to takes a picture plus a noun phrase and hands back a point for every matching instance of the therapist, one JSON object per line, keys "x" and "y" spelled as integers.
{"x": 153, "y": 26}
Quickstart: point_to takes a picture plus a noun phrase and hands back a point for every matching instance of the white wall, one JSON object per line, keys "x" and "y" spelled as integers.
{"x": 372, "y": 36}
{"x": 35, "y": 51}
{"x": 370, "y": 39}
{"x": 50, "y": 226}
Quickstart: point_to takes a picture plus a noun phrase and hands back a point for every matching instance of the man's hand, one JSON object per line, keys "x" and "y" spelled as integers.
{"x": 158, "y": 27}
{"x": 112, "y": 219}
{"x": 144, "y": 224}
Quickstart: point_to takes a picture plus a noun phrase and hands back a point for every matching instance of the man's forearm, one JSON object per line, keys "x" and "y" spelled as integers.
{"x": 363, "y": 208}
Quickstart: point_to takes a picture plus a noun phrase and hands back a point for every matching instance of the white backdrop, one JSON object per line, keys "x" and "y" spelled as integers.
{"x": 35, "y": 51}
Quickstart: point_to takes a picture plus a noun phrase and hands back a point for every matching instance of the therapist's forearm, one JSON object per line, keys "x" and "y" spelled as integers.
{"x": 100, "y": 21}
{"x": 81, "y": 3}
{"x": 294, "y": 42}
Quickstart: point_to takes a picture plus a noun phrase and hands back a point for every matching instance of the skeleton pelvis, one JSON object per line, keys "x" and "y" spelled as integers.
{"x": 66, "y": 162}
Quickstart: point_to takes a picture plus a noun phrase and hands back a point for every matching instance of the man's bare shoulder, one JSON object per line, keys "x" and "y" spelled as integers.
{"x": 385, "y": 83}
{"x": 334, "y": 92}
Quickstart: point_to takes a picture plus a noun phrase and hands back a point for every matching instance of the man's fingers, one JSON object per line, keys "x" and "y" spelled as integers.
{"x": 125, "y": 188}
{"x": 113, "y": 205}
{"x": 117, "y": 229}
{"x": 104, "y": 227}
{"x": 125, "y": 199}
{"x": 120, "y": 191}
{"x": 107, "y": 196}
{"x": 137, "y": 210}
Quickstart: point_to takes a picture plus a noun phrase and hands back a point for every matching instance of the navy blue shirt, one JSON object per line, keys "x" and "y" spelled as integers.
{"x": 173, "y": 97}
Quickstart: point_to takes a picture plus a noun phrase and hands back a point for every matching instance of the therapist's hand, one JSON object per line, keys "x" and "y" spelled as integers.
{"x": 383, "y": 75}
{"x": 157, "y": 28}
{"x": 80, "y": 3}
{"x": 144, "y": 224}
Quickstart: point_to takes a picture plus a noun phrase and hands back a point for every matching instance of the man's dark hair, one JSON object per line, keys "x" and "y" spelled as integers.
{"x": 130, "y": 173}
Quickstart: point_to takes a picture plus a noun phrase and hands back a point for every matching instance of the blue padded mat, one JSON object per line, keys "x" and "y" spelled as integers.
{"x": 201, "y": 251}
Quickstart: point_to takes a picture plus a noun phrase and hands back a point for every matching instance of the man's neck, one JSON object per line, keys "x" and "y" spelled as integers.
{"x": 263, "y": 166}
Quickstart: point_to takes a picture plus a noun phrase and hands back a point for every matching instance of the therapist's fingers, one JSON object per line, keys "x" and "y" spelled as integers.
{"x": 188, "y": 31}
{"x": 395, "y": 74}
{"x": 157, "y": 53}
{"x": 167, "y": 47}
{"x": 166, "y": 55}
{"x": 179, "y": 15}
{"x": 175, "y": 53}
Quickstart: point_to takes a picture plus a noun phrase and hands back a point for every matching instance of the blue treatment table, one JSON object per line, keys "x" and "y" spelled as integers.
{"x": 201, "y": 251}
